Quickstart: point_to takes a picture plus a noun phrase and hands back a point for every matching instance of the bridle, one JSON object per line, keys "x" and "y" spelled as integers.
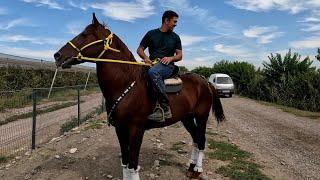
{"x": 107, "y": 43}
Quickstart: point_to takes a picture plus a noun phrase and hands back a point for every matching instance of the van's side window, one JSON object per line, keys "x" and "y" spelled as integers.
{"x": 214, "y": 79}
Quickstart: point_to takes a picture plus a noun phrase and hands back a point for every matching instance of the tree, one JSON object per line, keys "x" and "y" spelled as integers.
{"x": 318, "y": 56}
{"x": 183, "y": 69}
{"x": 204, "y": 71}
{"x": 280, "y": 69}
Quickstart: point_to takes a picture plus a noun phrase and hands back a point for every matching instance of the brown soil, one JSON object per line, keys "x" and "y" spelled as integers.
{"x": 286, "y": 146}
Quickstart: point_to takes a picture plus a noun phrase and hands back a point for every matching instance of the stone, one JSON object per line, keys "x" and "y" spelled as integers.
{"x": 73, "y": 150}
{"x": 109, "y": 176}
{"x": 57, "y": 156}
{"x": 28, "y": 153}
{"x": 156, "y": 163}
{"x": 152, "y": 176}
{"x": 18, "y": 157}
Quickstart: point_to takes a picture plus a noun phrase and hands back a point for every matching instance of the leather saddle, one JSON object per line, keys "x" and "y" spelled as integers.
{"x": 174, "y": 83}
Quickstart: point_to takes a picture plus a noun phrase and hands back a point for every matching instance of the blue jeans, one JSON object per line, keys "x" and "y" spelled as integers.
{"x": 157, "y": 74}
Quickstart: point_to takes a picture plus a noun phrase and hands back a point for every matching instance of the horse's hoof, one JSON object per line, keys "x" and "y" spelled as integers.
{"x": 191, "y": 173}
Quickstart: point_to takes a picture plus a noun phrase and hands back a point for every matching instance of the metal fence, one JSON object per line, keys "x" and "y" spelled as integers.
{"x": 30, "y": 117}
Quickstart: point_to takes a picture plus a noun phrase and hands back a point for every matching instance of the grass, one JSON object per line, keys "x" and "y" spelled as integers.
{"x": 170, "y": 163}
{"x": 94, "y": 125}
{"x": 69, "y": 125}
{"x": 225, "y": 151}
{"x": 239, "y": 170}
{"x": 240, "y": 167}
{"x": 176, "y": 125}
{"x": 212, "y": 133}
{"x": 178, "y": 146}
{"x": 74, "y": 121}
{"x": 5, "y": 159}
{"x": 297, "y": 112}
{"x": 30, "y": 114}
{"x": 19, "y": 99}
{"x": 15, "y": 99}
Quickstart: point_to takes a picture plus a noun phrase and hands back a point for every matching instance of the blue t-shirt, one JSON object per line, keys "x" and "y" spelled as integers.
{"x": 161, "y": 44}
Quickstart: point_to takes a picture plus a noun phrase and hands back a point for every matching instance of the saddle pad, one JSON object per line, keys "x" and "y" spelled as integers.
{"x": 173, "y": 85}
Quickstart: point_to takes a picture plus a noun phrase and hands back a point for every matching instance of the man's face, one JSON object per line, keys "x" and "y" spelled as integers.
{"x": 172, "y": 23}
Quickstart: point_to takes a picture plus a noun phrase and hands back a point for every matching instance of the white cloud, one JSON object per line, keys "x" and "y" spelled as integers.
{"x": 312, "y": 27}
{"x": 235, "y": 51}
{"x": 241, "y": 52}
{"x": 34, "y": 40}
{"x": 310, "y": 42}
{"x": 14, "y": 23}
{"x": 75, "y": 28}
{"x": 188, "y": 40}
{"x": 263, "y": 34}
{"x": 126, "y": 11}
{"x": 293, "y": 6}
{"x": 79, "y": 5}
{"x": 310, "y": 19}
{"x": 201, "y": 15}
{"x": 31, "y": 53}
{"x": 50, "y": 3}
{"x": 191, "y": 63}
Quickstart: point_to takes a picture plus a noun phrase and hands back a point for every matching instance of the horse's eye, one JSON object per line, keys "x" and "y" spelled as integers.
{"x": 84, "y": 34}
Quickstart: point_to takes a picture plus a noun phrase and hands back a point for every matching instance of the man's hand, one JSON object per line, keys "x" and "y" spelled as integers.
{"x": 147, "y": 61}
{"x": 166, "y": 60}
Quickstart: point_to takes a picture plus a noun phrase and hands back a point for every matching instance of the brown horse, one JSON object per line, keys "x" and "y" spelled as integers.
{"x": 191, "y": 105}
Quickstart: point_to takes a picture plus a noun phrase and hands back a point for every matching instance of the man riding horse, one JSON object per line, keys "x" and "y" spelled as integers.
{"x": 164, "y": 45}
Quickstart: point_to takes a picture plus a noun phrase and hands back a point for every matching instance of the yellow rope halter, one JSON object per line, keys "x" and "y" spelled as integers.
{"x": 107, "y": 42}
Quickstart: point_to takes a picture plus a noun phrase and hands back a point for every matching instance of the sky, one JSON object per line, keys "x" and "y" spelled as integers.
{"x": 210, "y": 31}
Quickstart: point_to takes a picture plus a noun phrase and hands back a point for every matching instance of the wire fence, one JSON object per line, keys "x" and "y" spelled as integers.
{"x": 29, "y": 118}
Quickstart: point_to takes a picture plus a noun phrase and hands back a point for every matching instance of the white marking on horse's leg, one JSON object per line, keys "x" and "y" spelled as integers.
{"x": 198, "y": 166}
{"x": 125, "y": 172}
{"x": 194, "y": 154}
{"x": 134, "y": 174}
{"x": 195, "y": 122}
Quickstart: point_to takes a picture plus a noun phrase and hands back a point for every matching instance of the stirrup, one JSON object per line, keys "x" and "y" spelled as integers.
{"x": 160, "y": 118}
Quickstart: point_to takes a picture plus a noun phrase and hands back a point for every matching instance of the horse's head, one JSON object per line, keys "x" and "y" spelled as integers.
{"x": 90, "y": 43}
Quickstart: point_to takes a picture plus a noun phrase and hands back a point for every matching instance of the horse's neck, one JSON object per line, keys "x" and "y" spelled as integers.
{"x": 114, "y": 78}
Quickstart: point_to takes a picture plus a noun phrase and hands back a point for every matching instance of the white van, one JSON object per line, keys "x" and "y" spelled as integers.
{"x": 223, "y": 84}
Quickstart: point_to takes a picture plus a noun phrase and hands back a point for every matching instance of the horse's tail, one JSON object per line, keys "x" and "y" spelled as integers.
{"x": 216, "y": 104}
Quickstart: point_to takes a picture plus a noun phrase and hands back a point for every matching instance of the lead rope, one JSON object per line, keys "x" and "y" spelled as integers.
{"x": 110, "y": 120}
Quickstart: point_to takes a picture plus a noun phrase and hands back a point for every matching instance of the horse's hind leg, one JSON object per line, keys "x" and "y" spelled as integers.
{"x": 191, "y": 127}
{"x": 201, "y": 139}
{"x": 198, "y": 133}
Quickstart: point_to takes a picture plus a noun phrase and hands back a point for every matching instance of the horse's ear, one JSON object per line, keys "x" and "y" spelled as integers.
{"x": 94, "y": 19}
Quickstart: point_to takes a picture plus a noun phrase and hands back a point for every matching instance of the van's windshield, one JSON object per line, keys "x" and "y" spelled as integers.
{"x": 224, "y": 80}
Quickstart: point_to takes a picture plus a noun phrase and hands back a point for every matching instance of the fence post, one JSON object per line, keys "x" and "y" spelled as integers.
{"x": 34, "y": 117}
{"x": 78, "y": 92}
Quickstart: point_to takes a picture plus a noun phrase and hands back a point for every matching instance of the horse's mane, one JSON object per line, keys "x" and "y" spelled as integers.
{"x": 133, "y": 70}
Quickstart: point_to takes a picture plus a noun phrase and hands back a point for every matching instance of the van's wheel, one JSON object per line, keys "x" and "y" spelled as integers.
{"x": 230, "y": 94}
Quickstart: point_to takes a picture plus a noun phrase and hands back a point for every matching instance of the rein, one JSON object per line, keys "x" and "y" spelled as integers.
{"x": 107, "y": 42}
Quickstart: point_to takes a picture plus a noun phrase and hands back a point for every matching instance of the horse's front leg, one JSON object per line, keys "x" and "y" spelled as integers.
{"x": 123, "y": 137}
{"x": 135, "y": 140}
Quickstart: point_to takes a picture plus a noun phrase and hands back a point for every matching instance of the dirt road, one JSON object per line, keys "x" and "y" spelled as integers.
{"x": 286, "y": 146}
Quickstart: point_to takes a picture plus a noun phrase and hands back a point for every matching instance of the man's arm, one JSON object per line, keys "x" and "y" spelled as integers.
{"x": 140, "y": 52}
{"x": 177, "y": 57}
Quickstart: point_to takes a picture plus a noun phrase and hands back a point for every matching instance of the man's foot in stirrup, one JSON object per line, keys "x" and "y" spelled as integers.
{"x": 160, "y": 114}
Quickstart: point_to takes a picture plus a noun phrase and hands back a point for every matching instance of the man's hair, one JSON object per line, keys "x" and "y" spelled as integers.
{"x": 169, "y": 14}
